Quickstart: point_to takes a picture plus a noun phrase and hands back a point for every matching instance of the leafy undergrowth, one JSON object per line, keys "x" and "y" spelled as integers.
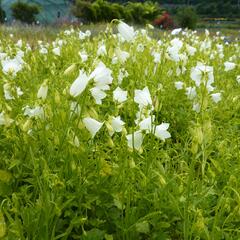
{"x": 120, "y": 136}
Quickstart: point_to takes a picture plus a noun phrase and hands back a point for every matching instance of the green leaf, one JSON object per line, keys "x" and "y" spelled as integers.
{"x": 94, "y": 234}
{"x": 143, "y": 227}
{"x": 3, "y": 227}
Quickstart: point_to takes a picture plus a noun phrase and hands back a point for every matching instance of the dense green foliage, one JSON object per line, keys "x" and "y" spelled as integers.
{"x": 61, "y": 178}
{"x": 2, "y": 14}
{"x": 187, "y": 18}
{"x": 208, "y": 8}
{"x": 101, "y": 10}
{"x": 25, "y": 12}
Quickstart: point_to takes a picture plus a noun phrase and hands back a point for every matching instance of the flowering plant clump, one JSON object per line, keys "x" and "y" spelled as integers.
{"x": 120, "y": 136}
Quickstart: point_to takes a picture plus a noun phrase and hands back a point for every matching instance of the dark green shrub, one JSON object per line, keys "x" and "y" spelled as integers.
{"x": 2, "y": 14}
{"x": 101, "y": 10}
{"x": 187, "y": 17}
{"x": 25, "y": 12}
{"x": 143, "y": 12}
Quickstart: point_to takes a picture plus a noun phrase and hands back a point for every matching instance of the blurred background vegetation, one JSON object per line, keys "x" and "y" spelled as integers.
{"x": 165, "y": 14}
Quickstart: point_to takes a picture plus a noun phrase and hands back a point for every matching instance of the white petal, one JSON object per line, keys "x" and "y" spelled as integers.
{"x": 92, "y": 125}
{"x": 117, "y": 124}
{"x": 135, "y": 140}
{"x": 98, "y": 94}
{"x": 79, "y": 84}
{"x": 119, "y": 95}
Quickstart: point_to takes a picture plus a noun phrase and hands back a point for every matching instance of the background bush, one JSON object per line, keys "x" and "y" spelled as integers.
{"x": 25, "y": 12}
{"x": 104, "y": 11}
{"x": 187, "y": 17}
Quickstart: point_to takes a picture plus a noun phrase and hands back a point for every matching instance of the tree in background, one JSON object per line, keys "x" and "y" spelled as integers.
{"x": 104, "y": 11}
{"x": 25, "y": 12}
{"x": 2, "y": 13}
{"x": 187, "y": 17}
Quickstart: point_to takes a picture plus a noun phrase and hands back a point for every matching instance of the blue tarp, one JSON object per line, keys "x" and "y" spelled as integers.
{"x": 51, "y": 10}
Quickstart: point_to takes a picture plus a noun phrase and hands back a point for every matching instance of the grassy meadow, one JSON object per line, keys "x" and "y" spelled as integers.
{"x": 131, "y": 133}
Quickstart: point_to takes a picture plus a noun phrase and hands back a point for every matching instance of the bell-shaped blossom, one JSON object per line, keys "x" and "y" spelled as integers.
{"x": 42, "y": 91}
{"x": 57, "y": 51}
{"x": 177, "y": 43}
{"x": 116, "y": 125}
{"x": 229, "y": 66}
{"x": 122, "y": 55}
{"x": 191, "y": 92}
{"x": 43, "y": 50}
{"x": 135, "y": 140}
{"x": 202, "y": 74}
{"x": 98, "y": 94}
{"x": 147, "y": 124}
{"x": 37, "y": 112}
{"x": 84, "y": 56}
{"x": 102, "y": 50}
{"x": 196, "y": 107}
{"x": 142, "y": 97}
{"x": 179, "y": 85}
{"x": 101, "y": 75}
{"x": 119, "y": 95}
{"x": 190, "y": 50}
{"x": 92, "y": 125}
{"x": 126, "y": 31}
{"x": 11, "y": 66}
{"x": 157, "y": 57}
{"x": 216, "y": 97}
{"x": 122, "y": 74}
{"x": 79, "y": 85}
{"x": 161, "y": 131}
{"x": 176, "y": 31}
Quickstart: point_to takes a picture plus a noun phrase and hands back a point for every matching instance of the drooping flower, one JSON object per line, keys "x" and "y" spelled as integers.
{"x": 203, "y": 74}
{"x": 119, "y": 95}
{"x": 83, "y": 55}
{"x": 126, "y": 31}
{"x": 122, "y": 55}
{"x": 161, "y": 131}
{"x": 179, "y": 85}
{"x": 176, "y": 31}
{"x": 116, "y": 125}
{"x": 135, "y": 140}
{"x": 216, "y": 97}
{"x": 147, "y": 124}
{"x": 101, "y": 75}
{"x": 57, "y": 51}
{"x": 34, "y": 112}
{"x": 196, "y": 107}
{"x": 191, "y": 92}
{"x": 79, "y": 84}
{"x": 98, "y": 94}
{"x": 102, "y": 50}
{"x": 142, "y": 97}
{"x": 229, "y": 66}
{"x": 42, "y": 91}
{"x": 92, "y": 125}
{"x": 11, "y": 66}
